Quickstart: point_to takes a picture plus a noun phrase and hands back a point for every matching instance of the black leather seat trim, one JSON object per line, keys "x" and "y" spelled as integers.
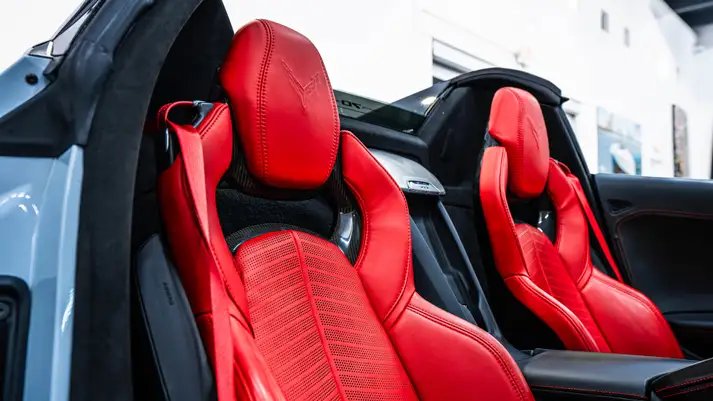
{"x": 694, "y": 382}
{"x": 597, "y": 375}
{"x": 180, "y": 368}
{"x": 429, "y": 279}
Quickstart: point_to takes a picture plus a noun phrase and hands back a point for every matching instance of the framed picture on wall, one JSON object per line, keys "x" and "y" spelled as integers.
{"x": 619, "y": 141}
{"x": 680, "y": 142}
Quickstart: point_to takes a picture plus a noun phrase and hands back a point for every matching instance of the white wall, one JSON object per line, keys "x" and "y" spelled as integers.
{"x": 383, "y": 49}
{"x": 364, "y": 44}
{"x": 595, "y": 68}
{"x": 25, "y": 23}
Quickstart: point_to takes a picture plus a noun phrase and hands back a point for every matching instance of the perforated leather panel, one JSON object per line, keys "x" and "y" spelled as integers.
{"x": 548, "y": 272}
{"x": 314, "y": 324}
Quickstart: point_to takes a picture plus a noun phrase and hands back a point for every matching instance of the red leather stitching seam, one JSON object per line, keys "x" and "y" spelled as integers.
{"x": 504, "y": 202}
{"x": 641, "y": 300}
{"x": 335, "y": 118}
{"x": 366, "y": 223}
{"x": 561, "y": 225}
{"x": 685, "y": 383}
{"x": 594, "y": 319}
{"x": 480, "y": 340}
{"x": 539, "y": 261}
{"x": 315, "y": 315}
{"x": 691, "y": 390}
{"x": 214, "y": 118}
{"x": 520, "y": 141}
{"x": 586, "y": 390}
{"x": 262, "y": 93}
{"x": 566, "y": 316}
{"x": 408, "y": 240}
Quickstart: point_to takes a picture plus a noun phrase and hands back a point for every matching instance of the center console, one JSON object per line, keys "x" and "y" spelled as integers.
{"x": 573, "y": 375}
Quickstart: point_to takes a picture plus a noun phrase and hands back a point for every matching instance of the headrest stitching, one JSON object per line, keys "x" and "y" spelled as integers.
{"x": 335, "y": 117}
{"x": 262, "y": 93}
{"x": 215, "y": 118}
{"x": 520, "y": 134}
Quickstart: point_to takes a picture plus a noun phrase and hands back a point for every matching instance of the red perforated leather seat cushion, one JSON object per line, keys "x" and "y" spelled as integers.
{"x": 314, "y": 324}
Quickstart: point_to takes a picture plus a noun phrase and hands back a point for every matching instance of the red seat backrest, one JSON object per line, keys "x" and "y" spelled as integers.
{"x": 287, "y": 316}
{"x": 557, "y": 281}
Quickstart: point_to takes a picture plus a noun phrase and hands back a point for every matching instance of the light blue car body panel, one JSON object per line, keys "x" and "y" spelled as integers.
{"x": 39, "y": 222}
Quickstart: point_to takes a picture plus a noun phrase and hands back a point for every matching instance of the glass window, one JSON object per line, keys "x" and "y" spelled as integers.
{"x": 405, "y": 115}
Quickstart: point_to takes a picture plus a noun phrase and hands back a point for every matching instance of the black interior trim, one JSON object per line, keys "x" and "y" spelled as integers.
{"x": 694, "y": 330}
{"x": 482, "y": 302}
{"x": 694, "y": 382}
{"x": 239, "y": 237}
{"x": 450, "y": 150}
{"x": 14, "y": 324}
{"x": 374, "y": 136}
{"x": 429, "y": 279}
{"x": 173, "y": 365}
{"x": 664, "y": 246}
{"x": 594, "y": 375}
{"x": 544, "y": 91}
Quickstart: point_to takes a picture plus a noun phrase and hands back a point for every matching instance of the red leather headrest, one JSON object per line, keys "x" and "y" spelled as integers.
{"x": 516, "y": 122}
{"x": 283, "y": 106}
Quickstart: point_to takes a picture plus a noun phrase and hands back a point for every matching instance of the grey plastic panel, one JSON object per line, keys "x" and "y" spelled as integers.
{"x": 409, "y": 175}
{"x": 39, "y": 218}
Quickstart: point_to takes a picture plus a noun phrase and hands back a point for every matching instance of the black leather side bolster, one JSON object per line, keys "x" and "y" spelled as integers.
{"x": 180, "y": 362}
{"x": 694, "y": 382}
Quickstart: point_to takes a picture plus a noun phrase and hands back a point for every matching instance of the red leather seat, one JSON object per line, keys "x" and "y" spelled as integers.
{"x": 287, "y": 316}
{"x": 587, "y": 309}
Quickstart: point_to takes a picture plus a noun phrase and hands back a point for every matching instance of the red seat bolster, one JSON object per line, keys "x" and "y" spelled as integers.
{"x": 445, "y": 357}
{"x": 451, "y": 359}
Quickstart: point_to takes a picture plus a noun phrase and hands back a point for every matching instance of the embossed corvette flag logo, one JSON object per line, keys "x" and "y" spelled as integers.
{"x": 303, "y": 91}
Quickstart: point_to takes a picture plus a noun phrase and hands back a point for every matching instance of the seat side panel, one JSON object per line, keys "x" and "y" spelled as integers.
{"x": 450, "y": 359}
{"x": 632, "y": 322}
